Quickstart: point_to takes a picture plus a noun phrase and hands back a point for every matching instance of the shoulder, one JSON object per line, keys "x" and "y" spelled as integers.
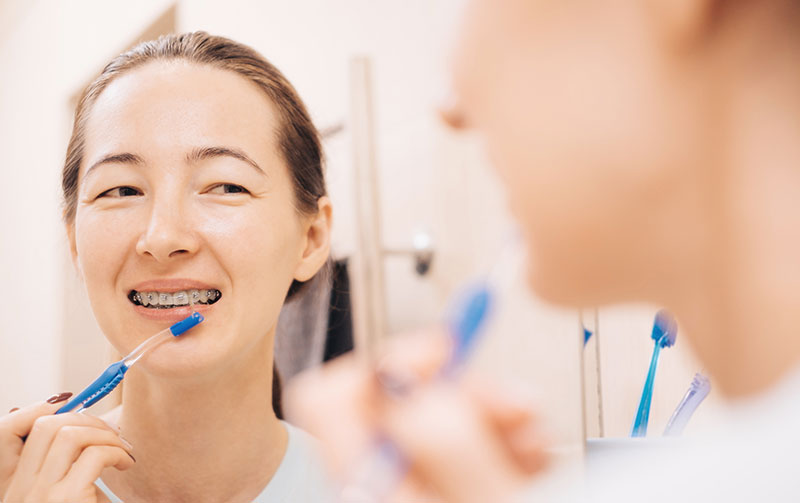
{"x": 301, "y": 476}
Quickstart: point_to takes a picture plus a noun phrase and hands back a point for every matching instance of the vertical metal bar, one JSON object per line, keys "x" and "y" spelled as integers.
{"x": 370, "y": 310}
{"x": 600, "y": 420}
{"x": 592, "y": 378}
{"x": 585, "y": 375}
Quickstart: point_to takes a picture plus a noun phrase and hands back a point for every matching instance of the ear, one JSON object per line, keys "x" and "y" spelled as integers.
{"x": 317, "y": 241}
{"x": 682, "y": 22}
{"x": 73, "y": 248}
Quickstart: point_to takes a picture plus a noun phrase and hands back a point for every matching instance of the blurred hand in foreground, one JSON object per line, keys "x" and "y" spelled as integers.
{"x": 464, "y": 439}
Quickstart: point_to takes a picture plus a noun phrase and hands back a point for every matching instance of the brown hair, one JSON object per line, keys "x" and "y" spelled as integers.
{"x": 297, "y": 138}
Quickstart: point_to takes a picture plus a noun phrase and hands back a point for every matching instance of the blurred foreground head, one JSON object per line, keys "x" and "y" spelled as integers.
{"x": 650, "y": 152}
{"x": 627, "y": 131}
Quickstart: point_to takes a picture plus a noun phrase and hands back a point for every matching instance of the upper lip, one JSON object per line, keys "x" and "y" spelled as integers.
{"x": 171, "y": 285}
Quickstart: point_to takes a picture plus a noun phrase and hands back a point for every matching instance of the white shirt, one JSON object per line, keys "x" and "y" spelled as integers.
{"x": 300, "y": 477}
{"x": 751, "y": 457}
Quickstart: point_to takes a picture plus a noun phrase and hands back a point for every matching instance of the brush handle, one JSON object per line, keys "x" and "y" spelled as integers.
{"x": 643, "y": 413}
{"x": 698, "y": 391}
{"x": 385, "y": 465}
{"x": 101, "y": 387}
{"x": 114, "y": 373}
{"x": 465, "y": 325}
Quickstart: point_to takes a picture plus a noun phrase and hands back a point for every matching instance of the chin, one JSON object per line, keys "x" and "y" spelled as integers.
{"x": 189, "y": 355}
{"x": 550, "y": 289}
{"x": 560, "y": 285}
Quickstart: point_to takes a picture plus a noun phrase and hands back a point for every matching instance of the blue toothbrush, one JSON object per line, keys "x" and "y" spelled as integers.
{"x": 385, "y": 466}
{"x": 665, "y": 330}
{"x": 115, "y": 372}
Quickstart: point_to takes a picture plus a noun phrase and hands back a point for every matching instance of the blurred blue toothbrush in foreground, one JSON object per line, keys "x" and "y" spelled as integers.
{"x": 384, "y": 467}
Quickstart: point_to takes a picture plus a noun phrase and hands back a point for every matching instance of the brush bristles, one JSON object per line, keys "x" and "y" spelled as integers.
{"x": 665, "y": 325}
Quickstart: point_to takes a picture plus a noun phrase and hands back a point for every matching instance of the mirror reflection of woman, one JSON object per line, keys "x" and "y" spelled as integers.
{"x": 193, "y": 167}
{"x": 650, "y": 150}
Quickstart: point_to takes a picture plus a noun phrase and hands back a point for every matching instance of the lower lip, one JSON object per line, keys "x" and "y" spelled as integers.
{"x": 173, "y": 314}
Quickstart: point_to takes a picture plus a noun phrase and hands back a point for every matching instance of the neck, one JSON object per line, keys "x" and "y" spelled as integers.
{"x": 740, "y": 314}
{"x": 215, "y": 438}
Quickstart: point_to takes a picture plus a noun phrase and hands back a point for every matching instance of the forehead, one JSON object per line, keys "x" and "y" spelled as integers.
{"x": 167, "y": 108}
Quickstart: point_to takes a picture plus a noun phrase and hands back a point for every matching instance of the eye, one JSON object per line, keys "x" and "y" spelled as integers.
{"x": 228, "y": 188}
{"x": 120, "y": 192}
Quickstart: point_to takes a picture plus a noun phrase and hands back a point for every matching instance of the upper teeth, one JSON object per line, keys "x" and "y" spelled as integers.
{"x": 175, "y": 299}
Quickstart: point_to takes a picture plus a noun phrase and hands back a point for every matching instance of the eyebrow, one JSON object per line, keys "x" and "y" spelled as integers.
{"x": 124, "y": 158}
{"x": 197, "y": 154}
{"x": 202, "y": 153}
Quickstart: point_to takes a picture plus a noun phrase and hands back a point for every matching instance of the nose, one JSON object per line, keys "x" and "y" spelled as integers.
{"x": 168, "y": 234}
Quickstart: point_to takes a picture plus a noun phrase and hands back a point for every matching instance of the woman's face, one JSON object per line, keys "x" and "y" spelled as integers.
{"x": 183, "y": 188}
{"x": 593, "y": 127}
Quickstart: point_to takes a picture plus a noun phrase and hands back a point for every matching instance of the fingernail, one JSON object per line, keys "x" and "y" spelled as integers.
{"x": 60, "y": 397}
{"x": 131, "y": 455}
{"x": 125, "y": 442}
{"x": 13, "y": 410}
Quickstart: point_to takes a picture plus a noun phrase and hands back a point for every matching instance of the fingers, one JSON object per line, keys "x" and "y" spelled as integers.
{"x": 43, "y": 433}
{"x": 348, "y": 390}
{"x": 468, "y": 445}
{"x": 413, "y": 489}
{"x": 528, "y": 447}
{"x": 14, "y": 427}
{"x": 517, "y": 426}
{"x": 450, "y": 444}
{"x": 417, "y": 356}
{"x": 344, "y": 389}
{"x": 502, "y": 406}
{"x": 20, "y": 421}
{"x": 23, "y": 459}
{"x": 91, "y": 462}
{"x": 69, "y": 444}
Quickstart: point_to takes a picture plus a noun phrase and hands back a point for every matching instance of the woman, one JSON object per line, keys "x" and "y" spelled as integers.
{"x": 650, "y": 153}
{"x": 193, "y": 171}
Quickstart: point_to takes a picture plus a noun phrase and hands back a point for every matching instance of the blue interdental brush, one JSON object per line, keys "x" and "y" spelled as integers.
{"x": 115, "y": 372}
{"x": 665, "y": 330}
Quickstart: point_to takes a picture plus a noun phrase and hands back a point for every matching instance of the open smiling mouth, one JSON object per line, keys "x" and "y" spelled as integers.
{"x": 169, "y": 300}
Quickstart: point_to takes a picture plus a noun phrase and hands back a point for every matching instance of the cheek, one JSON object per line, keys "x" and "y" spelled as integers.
{"x": 101, "y": 245}
{"x": 258, "y": 254}
{"x": 575, "y": 150}
{"x": 258, "y": 247}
